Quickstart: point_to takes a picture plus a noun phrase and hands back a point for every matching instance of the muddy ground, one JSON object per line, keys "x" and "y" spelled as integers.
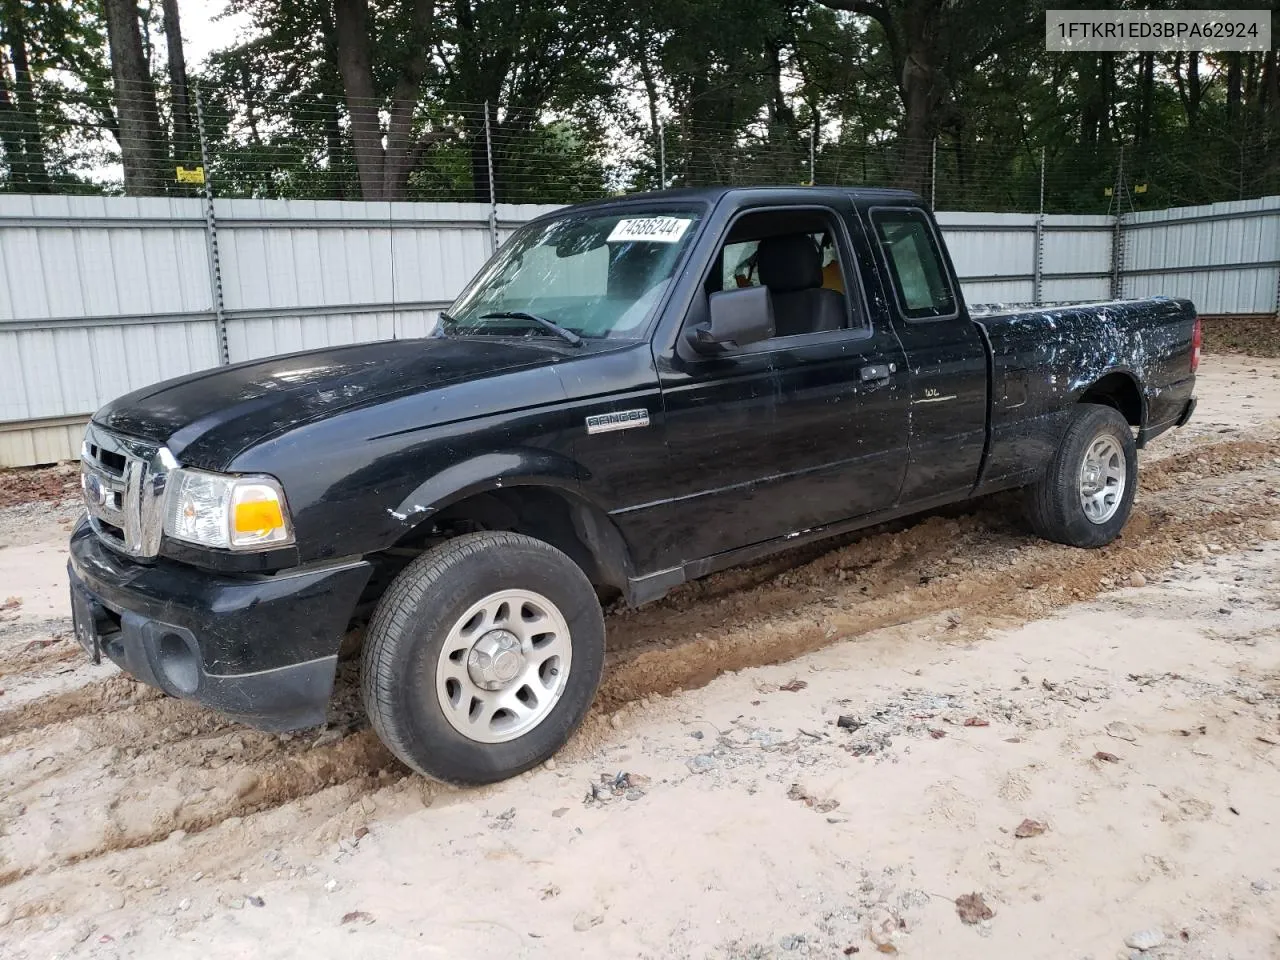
{"x": 821, "y": 755}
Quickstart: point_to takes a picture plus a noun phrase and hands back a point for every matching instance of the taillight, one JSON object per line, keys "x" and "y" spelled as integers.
{"x": 1197, "y": 338}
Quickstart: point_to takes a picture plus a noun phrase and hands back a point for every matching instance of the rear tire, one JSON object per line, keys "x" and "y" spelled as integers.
{"x": 483, "y": 657}
{"x": 1086, "y": 493}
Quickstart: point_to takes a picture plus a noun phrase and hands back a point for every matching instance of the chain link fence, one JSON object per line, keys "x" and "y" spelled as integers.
{"x": 100, "y": 141}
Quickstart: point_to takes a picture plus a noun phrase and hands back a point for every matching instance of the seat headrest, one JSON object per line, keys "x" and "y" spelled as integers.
{"x": 789, "y": 263}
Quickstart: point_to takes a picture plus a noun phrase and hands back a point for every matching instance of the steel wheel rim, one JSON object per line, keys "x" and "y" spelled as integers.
{"x": 503, "y": 666}
{"x": 1103, "y": 478}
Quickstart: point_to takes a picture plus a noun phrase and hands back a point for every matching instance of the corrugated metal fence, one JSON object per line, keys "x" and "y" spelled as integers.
{"x": 100, "y": 296}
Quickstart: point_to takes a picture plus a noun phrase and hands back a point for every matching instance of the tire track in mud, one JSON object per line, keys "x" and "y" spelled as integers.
{"x": 1006, "y": 577}
{"x": 975, "y": 560}
{"x": 38, "y": 656}
{"x": 140, "y": 815}
{"x": 91, "y": 699}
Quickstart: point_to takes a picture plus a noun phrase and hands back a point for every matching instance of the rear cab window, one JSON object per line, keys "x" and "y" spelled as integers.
{"x": 917, "y": 272}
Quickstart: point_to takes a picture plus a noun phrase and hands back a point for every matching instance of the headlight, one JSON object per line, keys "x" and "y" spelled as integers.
{"x": 233, "y": 513}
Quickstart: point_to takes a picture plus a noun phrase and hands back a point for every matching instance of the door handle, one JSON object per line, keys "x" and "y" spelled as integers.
{"x": 877, "y": 371}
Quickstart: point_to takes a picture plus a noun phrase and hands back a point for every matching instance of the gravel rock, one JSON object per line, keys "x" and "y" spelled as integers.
{"x": 1137, "y": 580}
{"x": 585, "y": 921}
{"x": 701, "y": 763}
{"x": 1262, "y": 886}
{"x": 1122, "y": 731}
{"x": 1145, "y": 939}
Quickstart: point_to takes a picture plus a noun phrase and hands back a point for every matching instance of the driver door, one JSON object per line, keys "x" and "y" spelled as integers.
{"x": 791, "y": 433}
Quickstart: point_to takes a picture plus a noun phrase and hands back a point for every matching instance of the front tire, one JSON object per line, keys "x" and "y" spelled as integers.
{"x": 1086, "y": 494}
{"x": 483, "y": 657}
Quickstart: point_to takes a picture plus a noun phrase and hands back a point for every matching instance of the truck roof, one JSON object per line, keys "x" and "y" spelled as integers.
{"x": 784, "y": 191}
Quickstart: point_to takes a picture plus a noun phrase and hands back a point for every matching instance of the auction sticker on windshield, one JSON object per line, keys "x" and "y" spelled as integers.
{"x": 653, "y": 229}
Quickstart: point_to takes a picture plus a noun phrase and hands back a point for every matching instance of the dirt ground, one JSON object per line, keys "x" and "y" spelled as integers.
{"x": 1255, "y": 334}
{"x": 941, "y": 739}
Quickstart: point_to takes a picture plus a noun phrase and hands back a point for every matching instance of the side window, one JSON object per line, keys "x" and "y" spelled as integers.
{"x": 795, "y": 254}
{"x": 919, "y": 278}
{"x": 740, "y": 265}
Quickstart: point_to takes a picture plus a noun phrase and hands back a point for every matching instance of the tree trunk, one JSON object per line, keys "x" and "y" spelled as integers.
{"x": 921, "y": 89}
{"x": 403, "y": 151}
{"x": 10, "y": 123}
{"x": 1189, "y": 89}
{"x": 1234, "y": 78}
{"x": 184, "y": 145}
{"x": 1094, "y": 98}
{"x": 651, "y": 96}
{"x": 351, "y": 26}
{"x": 384, "y": 164}
{"x": 1146, "y": 95}
{"x": 27, "y": 165}
{"x": 142, "y": 146}
{"x": 1269, "y": 95}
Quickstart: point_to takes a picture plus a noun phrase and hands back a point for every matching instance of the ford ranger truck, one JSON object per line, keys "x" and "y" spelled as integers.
{"x": 631, "y": 394}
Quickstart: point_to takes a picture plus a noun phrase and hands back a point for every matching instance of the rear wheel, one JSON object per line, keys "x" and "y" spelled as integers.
{"x": 483, "y": 657}
{"x": 1086, "y": 494}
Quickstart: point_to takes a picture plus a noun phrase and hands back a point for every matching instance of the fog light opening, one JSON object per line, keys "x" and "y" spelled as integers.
{"x": 179, "y": 664}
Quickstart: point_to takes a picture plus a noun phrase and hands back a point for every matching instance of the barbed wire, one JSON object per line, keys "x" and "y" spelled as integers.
{"x": 95, "y": 136}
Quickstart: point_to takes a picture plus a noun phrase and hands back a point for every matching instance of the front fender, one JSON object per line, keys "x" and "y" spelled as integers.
{"x": 531, "y": 491}
{"x": 481, "y": 474}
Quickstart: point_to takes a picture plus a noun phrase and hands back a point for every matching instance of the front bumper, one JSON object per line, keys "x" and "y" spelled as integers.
{"x": 261, "y": 649}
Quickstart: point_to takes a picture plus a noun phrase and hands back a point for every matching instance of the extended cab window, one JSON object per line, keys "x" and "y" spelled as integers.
{"x": 915, "y": 263}
{"x": 796, "y": 255}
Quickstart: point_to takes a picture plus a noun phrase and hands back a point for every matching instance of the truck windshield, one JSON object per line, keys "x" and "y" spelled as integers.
{"x": 594, "y": 274}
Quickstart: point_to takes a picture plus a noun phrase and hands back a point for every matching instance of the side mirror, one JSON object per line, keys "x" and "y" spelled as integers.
{"x": 737, "y": 318}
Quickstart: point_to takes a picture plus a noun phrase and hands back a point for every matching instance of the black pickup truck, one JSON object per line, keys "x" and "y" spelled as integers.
{"x": 631, "y": 394}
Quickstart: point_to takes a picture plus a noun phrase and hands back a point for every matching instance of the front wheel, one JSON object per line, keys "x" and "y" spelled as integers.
{"x": 483, "y": 657}
{"x": 1086, "y": 493}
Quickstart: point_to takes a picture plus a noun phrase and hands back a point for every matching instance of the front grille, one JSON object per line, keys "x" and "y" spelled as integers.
{"x": 111, "y": 462}
{"x": 123, "y": 481}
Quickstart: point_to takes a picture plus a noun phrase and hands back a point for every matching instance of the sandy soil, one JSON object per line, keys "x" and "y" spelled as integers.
{"x": 822, "y": 755}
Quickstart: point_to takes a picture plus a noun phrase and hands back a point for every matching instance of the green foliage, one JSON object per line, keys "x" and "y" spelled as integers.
{"x": 957, "y": 98}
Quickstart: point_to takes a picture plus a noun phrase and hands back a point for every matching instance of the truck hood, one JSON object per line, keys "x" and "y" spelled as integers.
{"x": 213, "y": 415}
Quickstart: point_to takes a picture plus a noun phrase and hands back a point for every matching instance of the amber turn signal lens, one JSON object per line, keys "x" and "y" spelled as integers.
{"x": 254, "y": 516}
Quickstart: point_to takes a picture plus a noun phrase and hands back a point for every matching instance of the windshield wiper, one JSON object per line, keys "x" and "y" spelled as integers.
{"x": 549, "y": 325}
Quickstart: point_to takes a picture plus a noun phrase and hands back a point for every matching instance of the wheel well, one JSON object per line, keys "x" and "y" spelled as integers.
{"x": 1117, "y": 390}
{"x": 568, "y": 523}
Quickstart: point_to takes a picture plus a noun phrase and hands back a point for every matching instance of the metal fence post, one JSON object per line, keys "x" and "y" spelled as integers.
{"x": 813, "y": 153}
{"x": 493, "y": 193}
{"x": 662, "y": 156}
{"x": 211, "y": 237}
{"x": 933, "y": 174}
{"x": 1037, "y": 283}
{"x": 1278, "y": 290}
{"x": 1117, "y": 233}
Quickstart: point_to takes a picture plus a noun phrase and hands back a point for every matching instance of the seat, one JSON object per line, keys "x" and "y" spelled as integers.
{"x": 791, "y": 268}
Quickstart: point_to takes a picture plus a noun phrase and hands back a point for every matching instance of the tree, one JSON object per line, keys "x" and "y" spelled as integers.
{"x": 931, "y": 45}
{"x": 184, "y": 145}
{"x": 53, "y": 98}
{"x": 143, "y": 146}
{"x": 384, "y": 158}
{"x": 20, "y": 124}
